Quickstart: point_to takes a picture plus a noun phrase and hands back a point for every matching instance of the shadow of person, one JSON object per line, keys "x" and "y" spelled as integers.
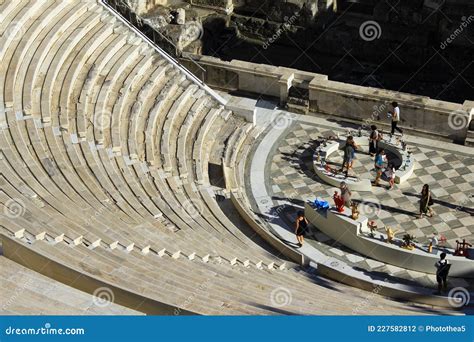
{"x": 387, "y": 208}
{"x": 457, "y": 207}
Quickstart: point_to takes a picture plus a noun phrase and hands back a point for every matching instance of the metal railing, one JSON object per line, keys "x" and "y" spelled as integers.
{"x": 132, "y": 24}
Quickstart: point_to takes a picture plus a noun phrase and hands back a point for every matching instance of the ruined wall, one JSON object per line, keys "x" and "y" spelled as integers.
{"x": 225, "y": 5}
{"x": 141, "y": 7}
{"x": 419, "y": 113}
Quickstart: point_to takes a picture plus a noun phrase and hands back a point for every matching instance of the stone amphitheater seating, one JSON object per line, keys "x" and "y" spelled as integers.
{"x": 104, "y": 151}
{"x": 197, "y": 285}
{"x": 27, "y": 292}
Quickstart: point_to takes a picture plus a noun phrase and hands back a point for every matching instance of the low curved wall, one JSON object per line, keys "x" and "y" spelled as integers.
{"x": 335, "y": 180}
{"x": 340, "y": 227}
{"x": 407, "y": 166}
{"x": 401, "y": 175}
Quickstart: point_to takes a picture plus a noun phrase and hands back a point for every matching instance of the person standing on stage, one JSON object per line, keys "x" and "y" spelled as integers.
{"x": 395, "y": 115}
{"x": 374, "y": 139}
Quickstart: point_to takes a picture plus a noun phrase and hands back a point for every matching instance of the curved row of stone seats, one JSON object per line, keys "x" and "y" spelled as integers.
{"x": 26, "y": 63}
{"x": 73, "y": 181}
{"x": 184, "y": 157}
{"x": 238, "y": 155}
{"x": 83, "y": 92}
{"x": 31, "y": 235}
{"x": 215, "y": 288}
{"x": 220, "y": 130}
{"x": 173, "y": 183}
{"x": 234, "y": 144}
{"x": 93, "y": 124}
{"x": 26, "y": 292}
{"x": 165, "y": 135}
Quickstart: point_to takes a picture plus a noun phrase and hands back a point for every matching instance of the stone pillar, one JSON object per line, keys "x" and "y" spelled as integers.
{"x": 286, "y": 81}
{"x": 314, "y": 91}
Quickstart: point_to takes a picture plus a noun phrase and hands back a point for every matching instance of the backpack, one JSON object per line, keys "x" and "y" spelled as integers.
{"x": 443, "y": 269}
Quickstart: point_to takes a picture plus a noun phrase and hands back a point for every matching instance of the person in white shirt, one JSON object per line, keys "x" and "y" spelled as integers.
{"x": 395, "y": 114}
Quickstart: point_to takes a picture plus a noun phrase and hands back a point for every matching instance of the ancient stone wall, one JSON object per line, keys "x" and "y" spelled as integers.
{"x": 364, "y": 104}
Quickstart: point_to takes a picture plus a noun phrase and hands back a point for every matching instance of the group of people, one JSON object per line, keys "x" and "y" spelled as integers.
{"x": 442, "y": 266}
{"x": 380, "y": 160}
{"x": 379, "y": 166}
{"x": 375, "y": 136}
{"x": 380, "y": 157}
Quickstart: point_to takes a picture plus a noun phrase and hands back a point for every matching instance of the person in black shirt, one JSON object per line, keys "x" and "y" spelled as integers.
{"x": 442, "y": 266}
{"x": 374, "y": 139}
{"x": 300, "y": 227}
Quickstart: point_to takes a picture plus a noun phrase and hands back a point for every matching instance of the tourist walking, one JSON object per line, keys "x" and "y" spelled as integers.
{"x": 426, "y": 201}
{"x": 391, "y": 175}
{"x": 354, "y": 149}
{"x": 379, "y": 162}
{"x": 300, "y": 228}
{"x": 395, "y": 114}
{"x": 346, "y": 194}
{"x": 349, "y": 155}
{"x": 442, "y": 271}
{"x": 374, "y": 139}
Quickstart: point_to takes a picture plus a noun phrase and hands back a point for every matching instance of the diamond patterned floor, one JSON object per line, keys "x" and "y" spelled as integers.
{"x": 449, "y": 174}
